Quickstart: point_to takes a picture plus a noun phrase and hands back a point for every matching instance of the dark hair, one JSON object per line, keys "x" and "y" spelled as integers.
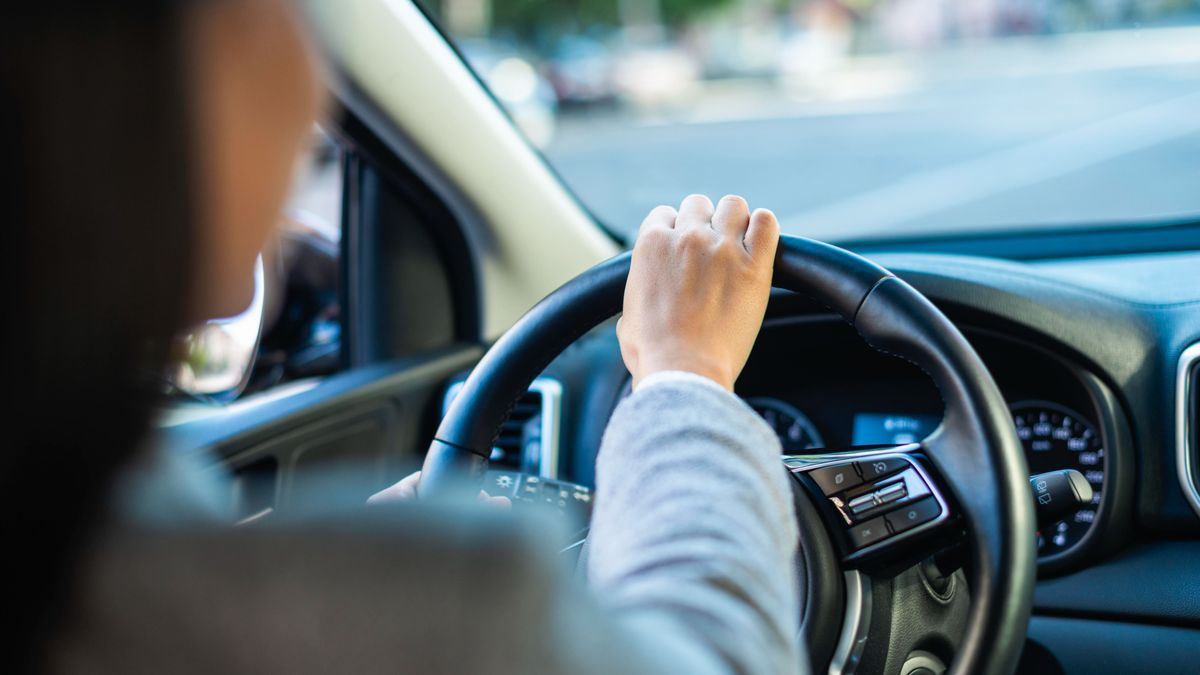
{"x": 95, "y": 269}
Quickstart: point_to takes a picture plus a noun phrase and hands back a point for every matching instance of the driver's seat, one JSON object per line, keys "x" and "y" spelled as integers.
{"x": 405, "y": 588}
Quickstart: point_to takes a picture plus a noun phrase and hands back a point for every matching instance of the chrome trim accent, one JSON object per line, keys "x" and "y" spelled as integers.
{"x": 854, "y": 624}
{"x": 818, "y": 460}
{"x": 551, "y": 391}
{"x": 255, "y": 517}
{"x": 579, "y": 544}
{"x": 1184, "y": 453}
{"x": 810, "y": 462}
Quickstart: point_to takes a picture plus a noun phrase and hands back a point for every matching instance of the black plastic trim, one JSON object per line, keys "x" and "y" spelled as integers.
{"x": 1151, "y": 582}
{"x": 248, "y": 422}
{"x": 1075, "y": 646}
{"x": 439, "y": 220}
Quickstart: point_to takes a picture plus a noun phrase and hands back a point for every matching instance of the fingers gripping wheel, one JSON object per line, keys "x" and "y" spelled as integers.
{"x": 975, "y": 451}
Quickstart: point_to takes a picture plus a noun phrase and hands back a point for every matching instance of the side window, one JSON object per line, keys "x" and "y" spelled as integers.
{"x": 302, "y": 320}
{"x": 293, "y": 328}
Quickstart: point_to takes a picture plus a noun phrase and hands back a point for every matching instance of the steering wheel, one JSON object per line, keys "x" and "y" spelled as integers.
{"x": 963, "y": 491}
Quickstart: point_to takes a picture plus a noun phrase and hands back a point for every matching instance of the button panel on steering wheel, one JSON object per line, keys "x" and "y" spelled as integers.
{"x": 567, "y": 499}
{"x": 875, "y": 500}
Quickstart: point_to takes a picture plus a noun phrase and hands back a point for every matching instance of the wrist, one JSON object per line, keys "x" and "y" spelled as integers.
{"x": 687, "y": 364}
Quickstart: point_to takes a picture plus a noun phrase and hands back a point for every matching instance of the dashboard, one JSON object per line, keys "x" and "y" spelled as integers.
{"x": 1092, "y": 357}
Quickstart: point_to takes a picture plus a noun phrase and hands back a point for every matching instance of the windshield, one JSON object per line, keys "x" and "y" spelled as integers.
{"x": 856, "y": 119}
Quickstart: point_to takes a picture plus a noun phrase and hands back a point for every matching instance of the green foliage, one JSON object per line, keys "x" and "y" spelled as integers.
{"x": 675, "y": 12}
{"x": 533, "y": 19}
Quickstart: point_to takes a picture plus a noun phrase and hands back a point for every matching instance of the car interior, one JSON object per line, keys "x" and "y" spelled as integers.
{"x": 460, "y": 315}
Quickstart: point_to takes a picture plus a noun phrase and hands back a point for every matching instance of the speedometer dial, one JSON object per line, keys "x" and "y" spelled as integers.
{"x": 1056, "y": 437}
{"x": 796, "y": 432}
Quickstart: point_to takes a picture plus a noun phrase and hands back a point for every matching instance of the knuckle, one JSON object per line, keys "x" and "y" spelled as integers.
{"x": 730, "y": 249}
{"x": 653, "y": 237}
{"x": 735, "y": 200}
{"x": 659, "y": 216}
{"x": 697, "y": 200}
{"x": 767, "y": 220}
{"x": 695, "y": 238}
{"x": 662, "y": 212}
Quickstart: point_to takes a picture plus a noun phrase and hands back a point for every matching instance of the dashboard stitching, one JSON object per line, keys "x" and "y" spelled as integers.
{"x": 892, "y": 354}
{"x": 928, "y": 374}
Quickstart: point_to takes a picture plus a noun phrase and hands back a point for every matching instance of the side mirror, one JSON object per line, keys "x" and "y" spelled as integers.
{"x": 218, "y": 357}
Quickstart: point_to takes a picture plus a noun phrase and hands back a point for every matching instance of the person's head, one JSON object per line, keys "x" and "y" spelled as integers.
{"x": 255, "y": 96}
{"x": 150, "y": 145}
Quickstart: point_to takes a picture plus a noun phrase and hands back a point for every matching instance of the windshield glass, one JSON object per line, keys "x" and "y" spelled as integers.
{"x": 856, "y": 118}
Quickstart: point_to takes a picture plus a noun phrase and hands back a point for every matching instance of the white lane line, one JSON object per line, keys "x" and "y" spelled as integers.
{"x": 928, "y": 192}
{"x": 795, "y": 111}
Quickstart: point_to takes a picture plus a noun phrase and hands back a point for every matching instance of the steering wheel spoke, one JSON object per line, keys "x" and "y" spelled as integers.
{"x": 884, "y": 507}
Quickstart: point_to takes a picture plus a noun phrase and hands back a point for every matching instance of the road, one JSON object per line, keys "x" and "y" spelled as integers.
{"x": 1088, "y": 129}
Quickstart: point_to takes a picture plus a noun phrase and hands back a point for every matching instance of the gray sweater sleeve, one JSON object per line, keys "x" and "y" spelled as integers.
{"x": 693, "y": 536}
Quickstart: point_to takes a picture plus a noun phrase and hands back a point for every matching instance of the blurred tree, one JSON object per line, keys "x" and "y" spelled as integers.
{"x": 536, "y": 20}
{"x": 676, "y": 12}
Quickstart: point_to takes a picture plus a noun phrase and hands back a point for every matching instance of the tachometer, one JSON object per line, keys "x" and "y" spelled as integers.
{"x": 1056, "y": 437}
{"x": 796, "y": 432}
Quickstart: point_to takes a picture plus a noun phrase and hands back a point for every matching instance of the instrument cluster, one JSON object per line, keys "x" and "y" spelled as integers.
{"x": 838, "y": 396}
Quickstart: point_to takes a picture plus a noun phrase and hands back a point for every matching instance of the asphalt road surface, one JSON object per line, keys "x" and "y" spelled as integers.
{"x": 1093, "y": 129}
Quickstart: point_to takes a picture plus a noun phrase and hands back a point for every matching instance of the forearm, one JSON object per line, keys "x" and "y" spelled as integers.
{"x": 694, "y": 533}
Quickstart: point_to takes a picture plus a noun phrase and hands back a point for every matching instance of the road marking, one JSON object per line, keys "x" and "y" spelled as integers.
{"x": 922, "y": 194}
{"x": 788, "y": 111}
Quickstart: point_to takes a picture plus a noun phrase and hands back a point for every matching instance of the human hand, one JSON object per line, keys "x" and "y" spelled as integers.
{"x": 406, "y": 491}
{"x": 698, "y": 288}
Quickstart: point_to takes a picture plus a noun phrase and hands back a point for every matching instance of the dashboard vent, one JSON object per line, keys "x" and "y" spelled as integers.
{"x": 529, "y": 438}
{"x": 1187, "y": 438}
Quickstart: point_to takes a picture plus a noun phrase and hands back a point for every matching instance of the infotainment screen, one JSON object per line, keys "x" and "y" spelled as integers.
{"x": 892, "y": 429}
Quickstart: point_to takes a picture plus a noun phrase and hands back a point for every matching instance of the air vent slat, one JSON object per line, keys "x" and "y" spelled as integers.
{"x": 520, "y": 443}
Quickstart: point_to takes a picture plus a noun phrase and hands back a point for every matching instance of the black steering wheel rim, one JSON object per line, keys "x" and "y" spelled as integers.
{"x": 975, "y": 448}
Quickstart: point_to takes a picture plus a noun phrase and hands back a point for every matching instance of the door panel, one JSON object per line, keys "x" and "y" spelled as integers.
{"x": 328, "y": 446}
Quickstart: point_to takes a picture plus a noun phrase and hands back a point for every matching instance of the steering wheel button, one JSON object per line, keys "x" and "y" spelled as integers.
{"x": 914, "y": 514}
{"x": 878, "y": 468}
{"x": 891, "y": 493}
{"x": 861, "y": 504}
{"x": 502, "y": 483}
{"x": 868, "y": 533}
{"x": 835, "y": 479}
